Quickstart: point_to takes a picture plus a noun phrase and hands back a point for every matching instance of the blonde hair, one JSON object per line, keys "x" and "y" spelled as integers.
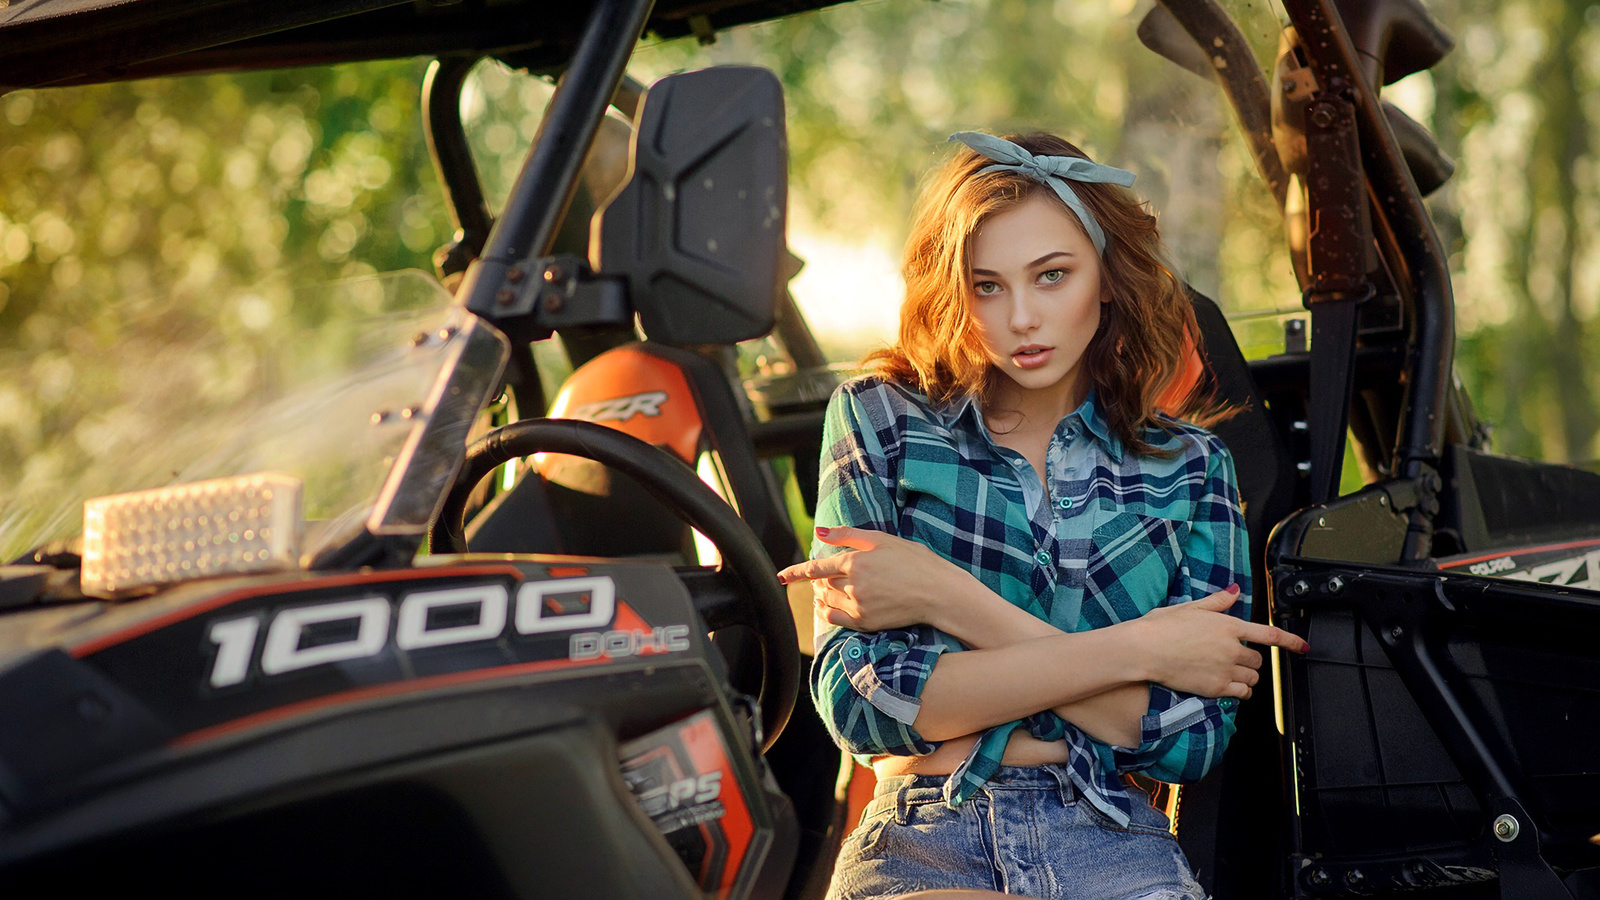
{"x": 1147, "y": 325}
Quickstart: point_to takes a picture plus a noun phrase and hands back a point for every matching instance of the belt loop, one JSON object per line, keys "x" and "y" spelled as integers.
{"x": 1063, "y": 783}
{"x": 901, "y": 807}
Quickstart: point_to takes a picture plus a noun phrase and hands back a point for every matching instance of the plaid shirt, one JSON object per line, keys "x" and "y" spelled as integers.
{"x": 1112, "y": 536}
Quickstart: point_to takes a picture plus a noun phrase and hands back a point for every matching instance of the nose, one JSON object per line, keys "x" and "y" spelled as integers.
{"x": 1024, "y": 312}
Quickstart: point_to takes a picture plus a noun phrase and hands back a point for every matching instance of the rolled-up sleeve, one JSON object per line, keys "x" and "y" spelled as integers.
{"x": 866, "y": 686}
{"x": 1181, "y": 735}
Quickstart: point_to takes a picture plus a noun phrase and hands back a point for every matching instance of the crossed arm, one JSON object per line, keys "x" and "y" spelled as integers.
{"x": 885, "y": 686}
{"x": 1019, "y": 665}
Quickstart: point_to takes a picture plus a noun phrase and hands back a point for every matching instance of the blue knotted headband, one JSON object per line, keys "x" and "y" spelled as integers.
{"x": 1052, "y": 171}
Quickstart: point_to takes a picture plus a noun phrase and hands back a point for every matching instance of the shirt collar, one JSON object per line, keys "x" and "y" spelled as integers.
{"x": 968, "y": 412}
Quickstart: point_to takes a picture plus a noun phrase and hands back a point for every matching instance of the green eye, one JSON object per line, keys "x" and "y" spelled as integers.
{"x": 985, "y": 288}
{"x": 1052, "y": 276}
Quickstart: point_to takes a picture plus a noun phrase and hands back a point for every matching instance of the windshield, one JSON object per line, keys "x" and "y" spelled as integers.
{"x": 369, "y": 409}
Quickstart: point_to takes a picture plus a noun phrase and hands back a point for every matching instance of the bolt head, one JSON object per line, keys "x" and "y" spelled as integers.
{"x": 1506, "y": 828}
{"x": 1323, "y": 116}
{"x": 1397, "y": 632}
{"x": 504, "y": 296}
{"x": 1299, "y": 588}
{"x": 555, "y": 303}
{"x": 1335, "y": 584}
{"x": 514, "y": 275}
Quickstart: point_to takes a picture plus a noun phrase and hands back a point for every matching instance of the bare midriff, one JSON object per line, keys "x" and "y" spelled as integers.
{"x": 1022, "y": 750}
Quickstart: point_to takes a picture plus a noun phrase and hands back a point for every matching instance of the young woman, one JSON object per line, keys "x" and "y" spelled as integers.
{"x": 1010, "y": 490}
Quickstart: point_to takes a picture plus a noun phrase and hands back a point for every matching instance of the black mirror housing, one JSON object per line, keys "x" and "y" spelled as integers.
{"x": 698, "y": 229}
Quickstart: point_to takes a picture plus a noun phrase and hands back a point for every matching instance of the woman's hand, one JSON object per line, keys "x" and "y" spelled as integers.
{"x": 887, "y": 582}
{"x": 1197, "y": 648}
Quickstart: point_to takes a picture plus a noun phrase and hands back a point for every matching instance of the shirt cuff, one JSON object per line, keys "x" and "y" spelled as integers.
{"x": 892, "y": 682}
{"x": 1169, "y": 714}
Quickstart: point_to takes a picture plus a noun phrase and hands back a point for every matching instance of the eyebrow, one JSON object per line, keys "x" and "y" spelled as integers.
{"x": 1038, "y": 262}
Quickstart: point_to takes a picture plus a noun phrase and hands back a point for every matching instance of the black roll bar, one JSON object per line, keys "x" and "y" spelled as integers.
{"x": 1409, "y": 243}
{"x": 452, "y": 159}
{"x": 543, "y": 190}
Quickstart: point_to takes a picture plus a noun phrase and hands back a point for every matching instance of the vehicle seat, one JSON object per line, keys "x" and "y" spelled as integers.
{"x": 667, "y": 396}
{"x": 1235, "y": 806}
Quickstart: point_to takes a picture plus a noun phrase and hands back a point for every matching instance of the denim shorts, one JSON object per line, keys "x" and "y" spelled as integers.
{"x": 1025, "y": 832}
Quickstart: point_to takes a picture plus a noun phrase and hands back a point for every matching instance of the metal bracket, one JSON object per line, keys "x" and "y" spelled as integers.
{"x": 1524, "y": 874}
{"x": 1338, "y": 252}
{"x": 1421, "y": 493}
{"x": 535, "y": 297}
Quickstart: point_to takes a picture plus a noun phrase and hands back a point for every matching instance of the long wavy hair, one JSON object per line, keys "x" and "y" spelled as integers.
{"x": 1147, "y": 325}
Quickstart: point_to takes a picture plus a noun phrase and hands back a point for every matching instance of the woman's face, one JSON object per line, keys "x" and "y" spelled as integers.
{"x": 1035, "y": 297}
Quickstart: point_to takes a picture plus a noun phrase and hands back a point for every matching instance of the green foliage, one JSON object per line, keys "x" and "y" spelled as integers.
{"x": 1514, "y": 104}
{"x": 152, "y": 236}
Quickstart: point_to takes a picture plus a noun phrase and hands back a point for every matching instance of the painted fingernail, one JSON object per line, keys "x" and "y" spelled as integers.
{"x": 1232, "y": 589}
{"x": 822, "y": 532}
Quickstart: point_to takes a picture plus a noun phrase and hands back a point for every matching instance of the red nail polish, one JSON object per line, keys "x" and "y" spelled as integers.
{"x": 822, "y": 532}
{"x": 1232, "y": 589}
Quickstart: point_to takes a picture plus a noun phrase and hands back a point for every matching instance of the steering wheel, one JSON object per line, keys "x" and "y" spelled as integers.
{"x": 755, "y": 598}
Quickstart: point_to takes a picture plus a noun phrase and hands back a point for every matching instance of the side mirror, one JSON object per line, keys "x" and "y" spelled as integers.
{"x": 697, "y": 231}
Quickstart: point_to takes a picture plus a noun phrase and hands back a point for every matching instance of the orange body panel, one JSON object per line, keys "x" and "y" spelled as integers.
{"x": 637, "y": 393}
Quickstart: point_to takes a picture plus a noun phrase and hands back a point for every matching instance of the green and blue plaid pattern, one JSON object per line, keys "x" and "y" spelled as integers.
{"x": 1111, "y": 536}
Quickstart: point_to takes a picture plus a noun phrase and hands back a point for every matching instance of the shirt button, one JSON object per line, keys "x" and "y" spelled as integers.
{"x": 1043, "y": 556}
{"x": 853, "y": 651}
{"x": 1227, "y": 704}
{"x": 1064, "y": 503}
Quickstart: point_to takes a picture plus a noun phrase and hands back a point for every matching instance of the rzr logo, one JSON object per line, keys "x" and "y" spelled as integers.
{"x": 621, "y": 409}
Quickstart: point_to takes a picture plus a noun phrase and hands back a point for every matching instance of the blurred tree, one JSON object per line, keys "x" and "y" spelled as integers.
{"x": 144, "y": 217}
{"x": 1515, "y": 104}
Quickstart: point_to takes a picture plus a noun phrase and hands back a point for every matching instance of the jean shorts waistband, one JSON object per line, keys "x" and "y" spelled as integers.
{"x": 922, "y": 788}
